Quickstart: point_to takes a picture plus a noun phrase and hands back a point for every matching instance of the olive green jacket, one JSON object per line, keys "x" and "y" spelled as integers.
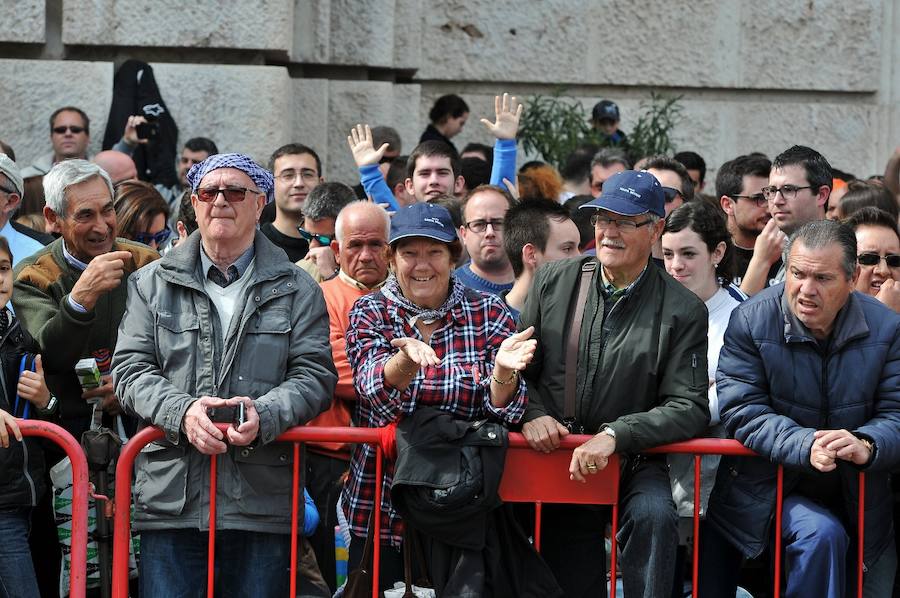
{"x": 645, "y": 376}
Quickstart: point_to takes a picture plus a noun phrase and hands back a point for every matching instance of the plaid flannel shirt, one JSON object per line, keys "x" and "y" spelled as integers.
{"x": 466, "y": 341}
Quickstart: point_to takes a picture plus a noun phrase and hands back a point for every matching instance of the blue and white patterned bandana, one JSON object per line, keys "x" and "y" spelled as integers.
{"x": 259, "y": 175}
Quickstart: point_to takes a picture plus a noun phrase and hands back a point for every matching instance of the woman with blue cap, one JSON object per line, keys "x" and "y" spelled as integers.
{"x": 425, "y": 339}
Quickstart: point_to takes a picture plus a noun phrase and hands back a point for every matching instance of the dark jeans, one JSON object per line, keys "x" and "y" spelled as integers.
{"x": 17, "y": 579}
{"x": 573, "y": 538}
{"x": 323, "y": 482}
{"x": 248, "y": 564}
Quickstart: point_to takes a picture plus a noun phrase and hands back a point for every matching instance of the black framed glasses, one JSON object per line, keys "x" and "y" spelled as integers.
{"x": 871, "y": 259}
{"x": 671, "y": 194}
{"x": 788, "y": 192}
{"x": 479, "y": 226}
{"x": 323, "y": 239}
{"x": 604, "y": 222}
{"x": 158, "y": 238}
{"x": 75, "y": 129}
{"x": 758, "y": 198}
{"x": 232, "y": 194}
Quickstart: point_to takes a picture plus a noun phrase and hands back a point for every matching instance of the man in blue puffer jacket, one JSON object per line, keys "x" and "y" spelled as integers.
{"x": 809, "y": 377}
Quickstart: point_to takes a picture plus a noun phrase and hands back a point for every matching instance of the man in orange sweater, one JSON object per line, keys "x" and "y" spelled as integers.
{"x": 361, "y": 250}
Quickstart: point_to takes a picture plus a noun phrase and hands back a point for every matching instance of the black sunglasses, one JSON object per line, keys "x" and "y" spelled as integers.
{"x": 670, "y": 193}
{"x": 61, "y": 130}
{"x": 159, "y": 238}
{"x": 871, "y": 259}
{"x": 323, "y": 239}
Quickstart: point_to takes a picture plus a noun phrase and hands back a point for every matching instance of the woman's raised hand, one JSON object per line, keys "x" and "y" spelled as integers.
{"x": 517, "y": 351}
{"x": 416, "y": 351}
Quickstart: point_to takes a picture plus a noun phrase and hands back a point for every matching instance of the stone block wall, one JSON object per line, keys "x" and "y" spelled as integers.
{"x": 253, "y": 75}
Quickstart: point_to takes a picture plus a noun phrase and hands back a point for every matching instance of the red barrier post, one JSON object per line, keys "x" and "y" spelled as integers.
{"x": 80, "y": 492}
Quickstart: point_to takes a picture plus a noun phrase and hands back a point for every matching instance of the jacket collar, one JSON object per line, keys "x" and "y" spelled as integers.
{"x": 850, "y": 324}
{"x": 182, "y": 264}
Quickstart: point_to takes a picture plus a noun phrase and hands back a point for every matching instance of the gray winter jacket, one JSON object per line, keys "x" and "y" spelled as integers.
{"x": 171, "y": 351}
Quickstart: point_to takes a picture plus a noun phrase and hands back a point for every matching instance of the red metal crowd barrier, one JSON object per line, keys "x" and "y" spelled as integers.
{"x": 529, "y": 476}
{"x": 80, "y": 491}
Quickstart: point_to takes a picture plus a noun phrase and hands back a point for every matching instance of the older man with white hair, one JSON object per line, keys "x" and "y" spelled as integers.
{"x": 70, "y": 295}
{"x": 222, "y": 329}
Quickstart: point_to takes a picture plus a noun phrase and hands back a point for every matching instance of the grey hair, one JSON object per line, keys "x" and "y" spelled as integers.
{"x": 326, "y": 200}
{"x": 375, "y": 209}
{"x": 608, "y": 156}
{"x": 821, "y": 233}
{"x": 67, "y": 173}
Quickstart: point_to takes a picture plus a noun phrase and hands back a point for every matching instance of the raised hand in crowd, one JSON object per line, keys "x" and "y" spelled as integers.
{"x": 103, "y": 274}
{"x": 245, "y": 433}
{"x": 8, "y": 421}
{"x": 200, "y": 430}
{"x": 130, "y": 136}
{"x": 324, "y": 259}
{"x": 507, "y": 112}
{"x": 515, "y": 352}
{"x": 360, "y": 142}
{"x": 766, "y": 251}
{"x": 32, "y": 387}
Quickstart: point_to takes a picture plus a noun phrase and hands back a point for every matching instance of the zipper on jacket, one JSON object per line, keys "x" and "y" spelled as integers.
{"x": 694, "y": 368}
{"x": 28, "y": 475}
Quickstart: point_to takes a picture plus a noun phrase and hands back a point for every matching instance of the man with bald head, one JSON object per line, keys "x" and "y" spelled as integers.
{"x": 119, "y": 166}
{"x": 361, "y": 250}
{"x": 223, "y": 329}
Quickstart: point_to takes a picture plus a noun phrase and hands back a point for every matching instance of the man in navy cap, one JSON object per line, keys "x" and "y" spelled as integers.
{"x": 633, "y": 378}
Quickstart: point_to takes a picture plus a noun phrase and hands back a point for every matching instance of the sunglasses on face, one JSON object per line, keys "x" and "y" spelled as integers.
{"x": 148, "y": 238}
{"x": 232, "y": 194}
{"x": 61, "y": 130}
{"x": 871, "y": 259}
{"x": 323, "y": 239}
{"x": 671, "y": 193}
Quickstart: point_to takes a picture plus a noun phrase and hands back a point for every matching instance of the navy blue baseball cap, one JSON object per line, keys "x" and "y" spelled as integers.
{"x": 631, "y": 193}
{"x": 423, "y": 220}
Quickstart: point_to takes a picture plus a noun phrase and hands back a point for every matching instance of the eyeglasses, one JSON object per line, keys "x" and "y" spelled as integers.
{"x": 759, "y": 199}
{"x": 604, "y": 222}
{"x": 479, "y": 226}
{"x": 232, "y": 194}
{"x": 75, "y": 129}
{"x": 148, "y": 238}
{"x": 323, "y": 239}
{"x": 288, "y": 176}
{"x": 788, "y": 192}
{"x": 670, "y": 193}
{"x": 871, "y": 259}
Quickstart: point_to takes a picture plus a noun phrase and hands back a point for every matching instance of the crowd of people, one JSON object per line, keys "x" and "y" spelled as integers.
{"x": 454, "y": 296}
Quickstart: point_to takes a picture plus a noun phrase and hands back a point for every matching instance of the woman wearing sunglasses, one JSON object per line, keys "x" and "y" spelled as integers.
{"x": 878, "y": 255}
{"x": 142, "y": 214}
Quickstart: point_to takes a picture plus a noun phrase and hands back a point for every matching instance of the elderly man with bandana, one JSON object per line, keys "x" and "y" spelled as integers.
{"x": 222, "y": 329}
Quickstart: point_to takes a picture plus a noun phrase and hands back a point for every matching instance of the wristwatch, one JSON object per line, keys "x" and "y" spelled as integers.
{"x": 608, "y": 431}
{"x": 52, "y": 404}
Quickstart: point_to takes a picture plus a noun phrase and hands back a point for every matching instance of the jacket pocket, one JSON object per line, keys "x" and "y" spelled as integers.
{"x": 266, "y": 479}
{"x": 177, "y": 337}
{"x": 160, "y": 486}
{"x": 264, "y": 352}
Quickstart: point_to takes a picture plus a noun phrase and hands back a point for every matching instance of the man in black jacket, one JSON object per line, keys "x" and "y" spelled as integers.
{"x": 639, "y": 381}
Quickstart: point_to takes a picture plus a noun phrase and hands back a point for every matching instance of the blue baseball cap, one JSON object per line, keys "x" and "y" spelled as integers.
{"x": 631, "y": 193}
{"x": 423, "y": 220}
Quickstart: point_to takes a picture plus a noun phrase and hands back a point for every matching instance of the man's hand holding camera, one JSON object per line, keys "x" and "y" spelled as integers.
{"x": 207, "y": 437}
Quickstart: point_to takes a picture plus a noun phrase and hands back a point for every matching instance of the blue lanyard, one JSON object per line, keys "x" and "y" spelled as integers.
{"x": 23, "y": 365}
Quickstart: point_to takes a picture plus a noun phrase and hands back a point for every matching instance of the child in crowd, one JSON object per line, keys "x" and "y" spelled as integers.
{"x": 23, "y": 394}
